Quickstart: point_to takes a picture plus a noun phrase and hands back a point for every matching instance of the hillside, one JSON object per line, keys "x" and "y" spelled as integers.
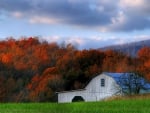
{"x": 32, "y": 70}
{"x": 129, "y": 48}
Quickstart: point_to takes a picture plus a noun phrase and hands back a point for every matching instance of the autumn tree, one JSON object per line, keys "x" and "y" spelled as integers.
{"x": 42, "y": 88}
{"x": 144, "y": 62}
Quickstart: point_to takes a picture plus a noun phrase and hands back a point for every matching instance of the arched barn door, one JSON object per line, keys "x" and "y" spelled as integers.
{"x": 77, "y": 99}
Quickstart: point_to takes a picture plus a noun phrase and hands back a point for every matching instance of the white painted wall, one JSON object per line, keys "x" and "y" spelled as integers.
{"x": 93, "y": 91}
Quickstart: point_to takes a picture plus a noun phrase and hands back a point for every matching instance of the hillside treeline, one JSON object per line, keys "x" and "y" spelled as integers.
{"x": 33, "y": 70}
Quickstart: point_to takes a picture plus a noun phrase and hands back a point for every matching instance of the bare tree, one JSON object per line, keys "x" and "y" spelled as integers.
{"x": 132, "y": 83}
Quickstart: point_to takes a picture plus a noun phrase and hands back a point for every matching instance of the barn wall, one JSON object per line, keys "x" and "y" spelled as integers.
{"x": 93, "y": 91}
{"x": 68, "y": 96}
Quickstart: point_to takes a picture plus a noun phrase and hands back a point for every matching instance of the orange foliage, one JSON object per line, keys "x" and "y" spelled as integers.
{"x": 50, "y": 70}
{"x": 144, "y": 62}
{"x": 41, "y": 54}
{"x": 7, "y": 58}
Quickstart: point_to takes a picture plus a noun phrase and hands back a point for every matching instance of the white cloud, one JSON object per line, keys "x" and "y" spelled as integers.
{"x": 120, "y": 19}
{"x": 131, "y": 3}
{"x": 42, "y": 20}
{"x": 95, "y": 42}
{"x": 141, "y": 37}
{"x": 117, "y": 23}
{"x": 75, "y": 40}
{"x": 17, "y": 14}
{"x": 53, "y": 38}
{"x": 136, "y": 7}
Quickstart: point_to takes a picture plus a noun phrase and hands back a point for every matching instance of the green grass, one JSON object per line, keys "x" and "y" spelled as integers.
{"x": 114, "y": 106}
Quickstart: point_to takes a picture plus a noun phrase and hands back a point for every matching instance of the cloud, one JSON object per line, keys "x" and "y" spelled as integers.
{"x": 86, "y": 42}
{"x": 141, "y": 37}
{"x": 17, "y": 14}
{"x": 117, "y": 15}
{"x": 131, "y": 3}
{"x": 53, "y": 39}
{"x": 95, "y": 42}
{"x": 45, "y": 20}
{"x": 15, "y": 5}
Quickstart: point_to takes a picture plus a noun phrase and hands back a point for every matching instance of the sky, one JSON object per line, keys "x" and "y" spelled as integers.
{"x": 84, "y": 23}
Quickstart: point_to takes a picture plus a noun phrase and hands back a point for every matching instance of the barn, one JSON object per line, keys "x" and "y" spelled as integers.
{"x": 106, "y": 85}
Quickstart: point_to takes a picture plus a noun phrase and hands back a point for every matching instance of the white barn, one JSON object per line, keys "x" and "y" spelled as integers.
{"x": 100, "y": 87}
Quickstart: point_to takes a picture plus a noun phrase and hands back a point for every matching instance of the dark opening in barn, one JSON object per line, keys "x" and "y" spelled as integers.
{"x": 77, "y": 99}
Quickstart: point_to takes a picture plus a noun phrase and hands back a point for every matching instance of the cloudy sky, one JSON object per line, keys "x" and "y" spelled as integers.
{"x": 86, "y": 23}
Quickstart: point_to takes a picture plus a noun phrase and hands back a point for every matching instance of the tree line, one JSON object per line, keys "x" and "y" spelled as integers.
{"x": 33, "y": 70}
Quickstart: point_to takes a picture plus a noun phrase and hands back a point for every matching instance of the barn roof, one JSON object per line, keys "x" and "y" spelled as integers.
{"x": 123, "y": 78}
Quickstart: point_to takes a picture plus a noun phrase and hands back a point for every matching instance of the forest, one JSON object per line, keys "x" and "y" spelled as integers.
{"x": 33, "y": 70}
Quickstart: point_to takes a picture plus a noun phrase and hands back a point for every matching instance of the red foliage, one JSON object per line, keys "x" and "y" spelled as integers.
{"x": 144, "y": 62}
{"x": 7, "y": 58}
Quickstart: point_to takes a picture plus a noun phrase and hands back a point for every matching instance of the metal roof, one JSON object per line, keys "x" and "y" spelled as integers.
{"x": 124, "y": 79}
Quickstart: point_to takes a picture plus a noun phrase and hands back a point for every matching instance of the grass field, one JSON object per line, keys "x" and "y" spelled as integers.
{"x": 113, "y": 106}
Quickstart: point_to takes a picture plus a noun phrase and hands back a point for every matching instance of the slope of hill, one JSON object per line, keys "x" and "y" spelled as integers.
{"x": 129, "y": 48}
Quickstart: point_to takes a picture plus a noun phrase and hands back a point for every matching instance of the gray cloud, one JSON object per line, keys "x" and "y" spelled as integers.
{"x": 131, "y": 23}
{"x": 15, "y": 5}
{"x": 79, "y": 13}
{"x": 99, "y": 14}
